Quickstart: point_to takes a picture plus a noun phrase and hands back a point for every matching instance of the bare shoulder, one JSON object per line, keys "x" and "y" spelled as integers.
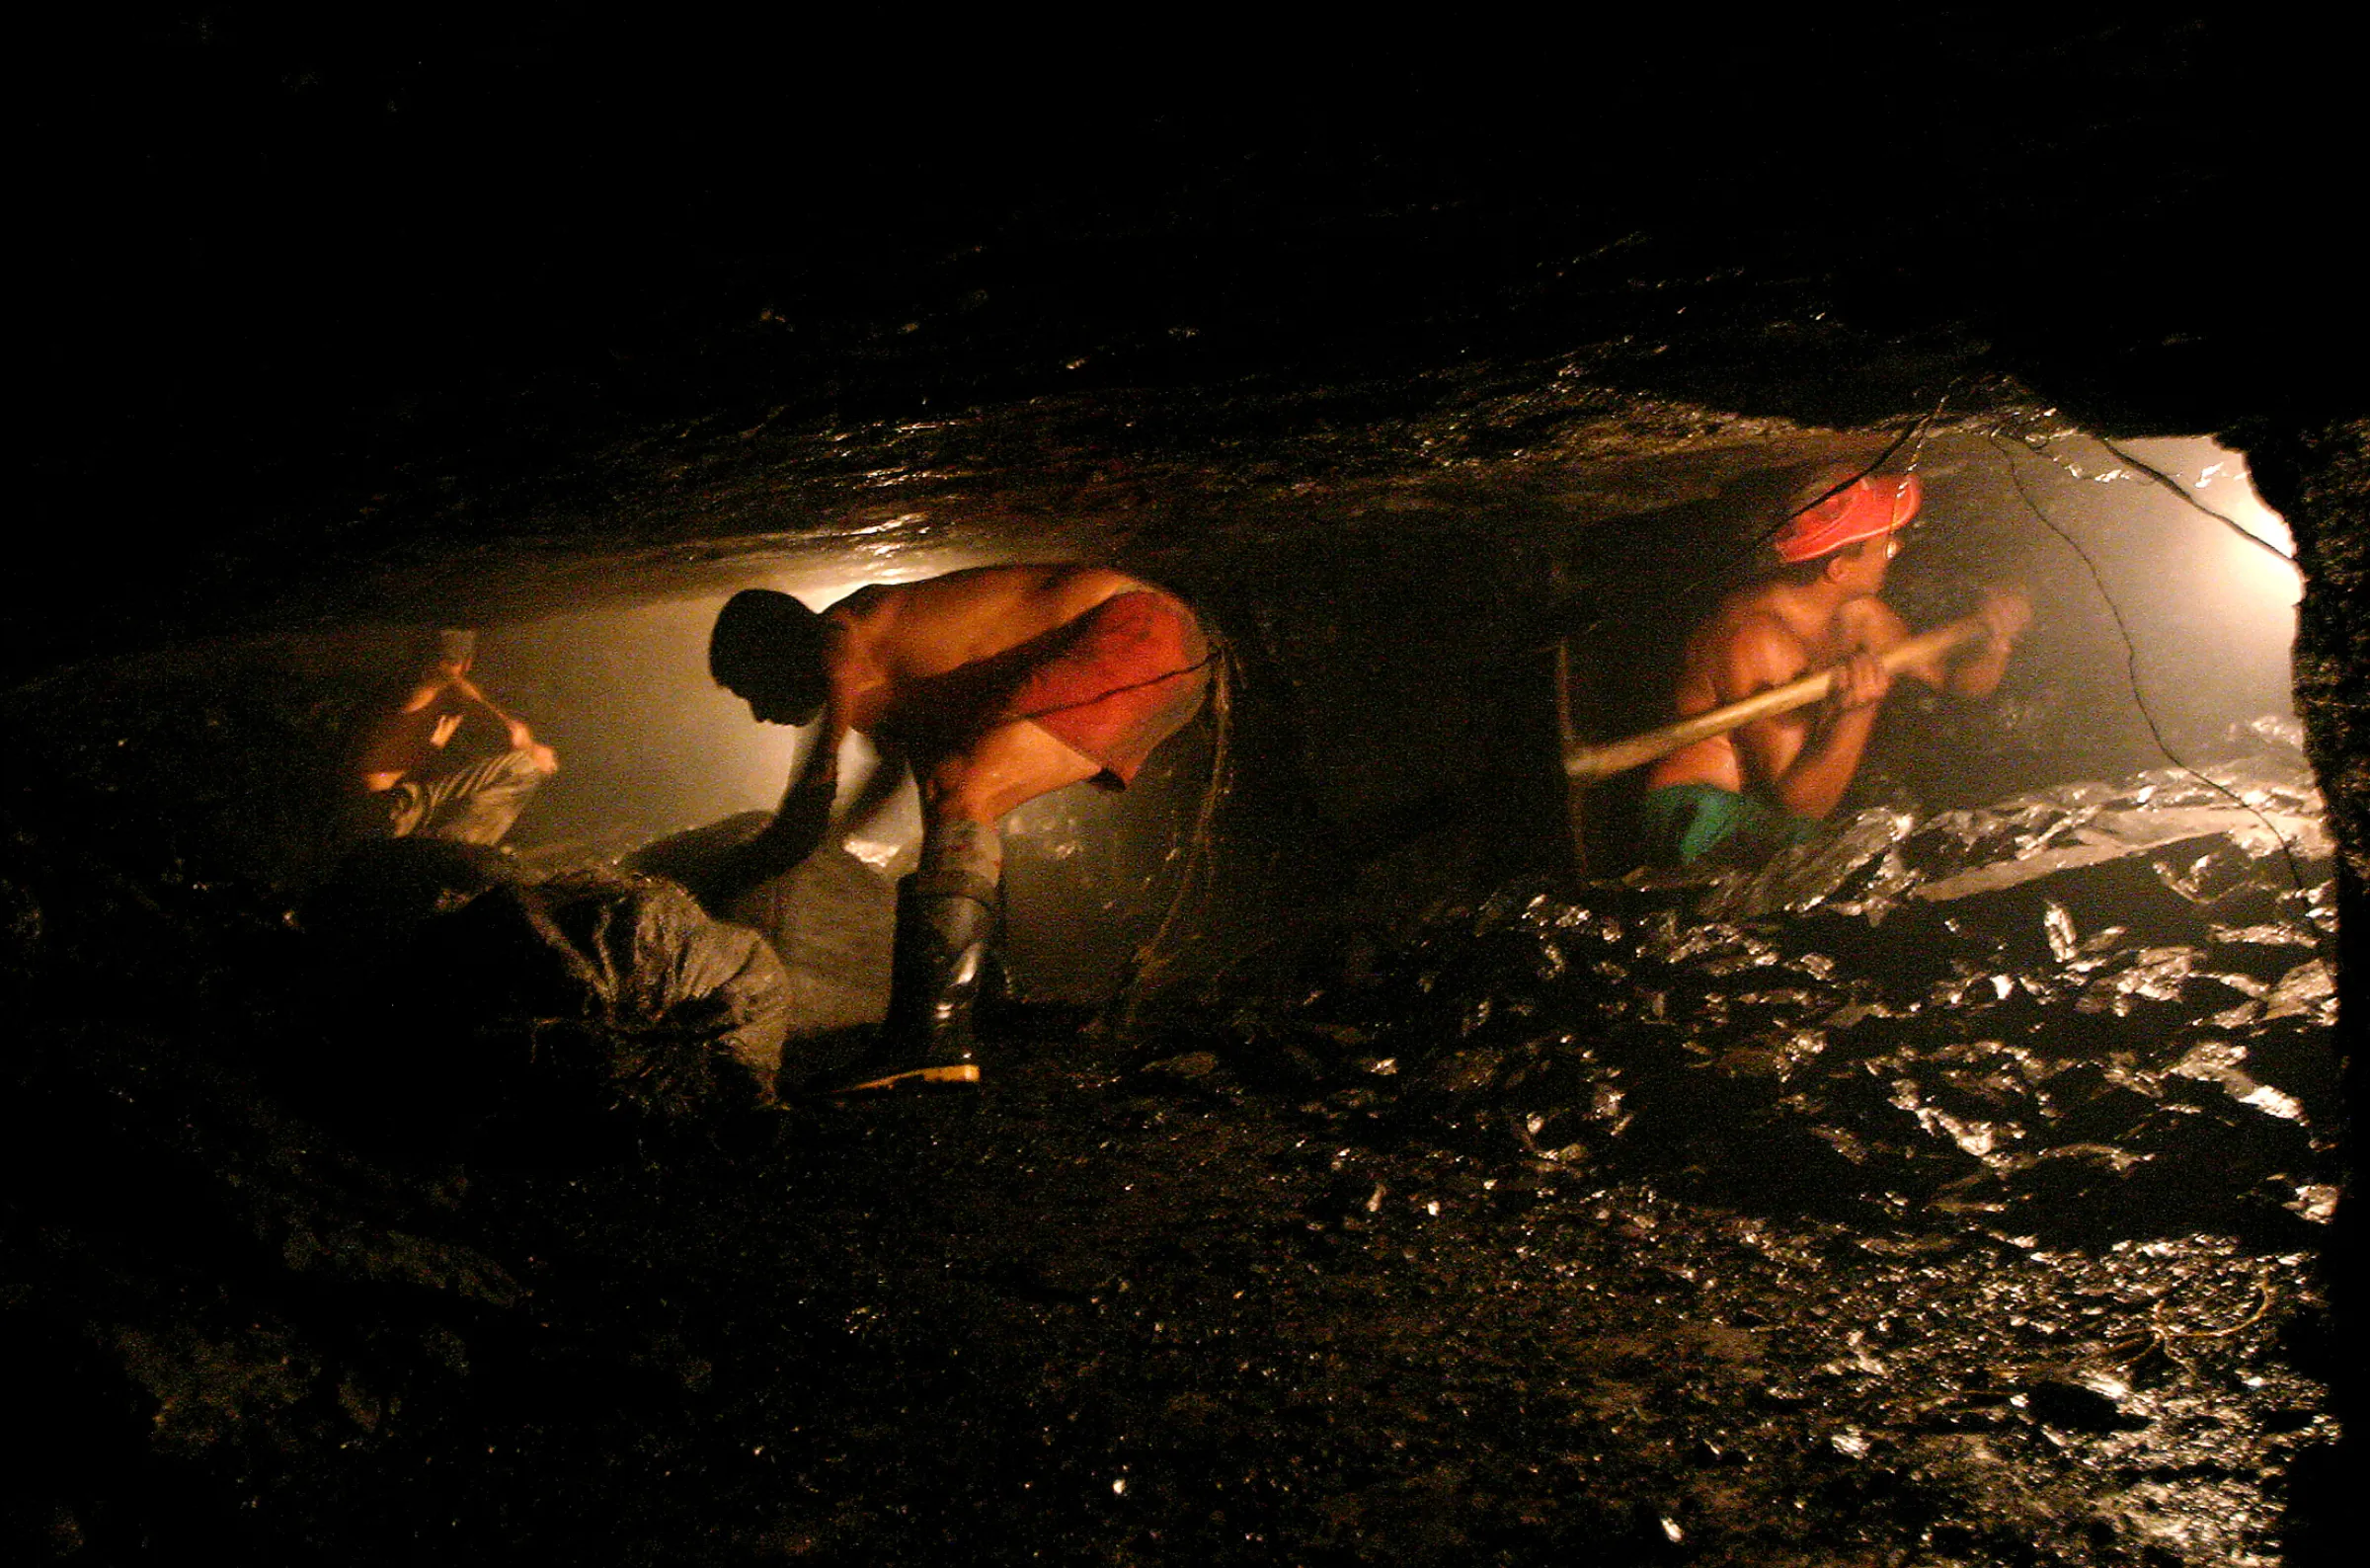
{"x": 1064, "y": 577}
{"x": 921, "y": 629}
{"x": 1036, "y": 590}
{"x": 1749, "y": 617}
{"x": 866, "y": 603}
{"x": 1754, "y": 647}
{"x": 861, "y": 618}
{"x": 1870, "y": 623}
{"x": 1102, "y": 580}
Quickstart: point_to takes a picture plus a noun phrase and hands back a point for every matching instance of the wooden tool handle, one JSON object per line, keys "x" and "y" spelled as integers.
{"x": 1586, "y": 763}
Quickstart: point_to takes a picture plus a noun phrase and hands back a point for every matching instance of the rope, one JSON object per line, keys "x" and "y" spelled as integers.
{"x": 1150, "y": 958}
{"x": 1204, "y": 663}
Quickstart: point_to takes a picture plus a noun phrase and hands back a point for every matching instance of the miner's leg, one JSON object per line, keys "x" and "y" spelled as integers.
{"x": 946, "y": 911}
{"x": 944, "y": 920}
{"x": 477, "y": 804}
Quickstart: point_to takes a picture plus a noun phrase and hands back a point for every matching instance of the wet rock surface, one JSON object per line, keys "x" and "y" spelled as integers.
{"x": 1905, "y": 1014}
{"x": 1973, "y": 1231}
{"x": 234, "y": 1318}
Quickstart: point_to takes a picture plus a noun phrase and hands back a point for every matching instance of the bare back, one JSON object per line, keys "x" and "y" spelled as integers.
{"x": 927, "y": 668}
{"x": 1763, "y": 635}
{"x": 890, "y": 640}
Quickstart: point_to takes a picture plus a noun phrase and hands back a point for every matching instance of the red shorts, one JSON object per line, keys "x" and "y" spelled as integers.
{"x": 1127, "y": 675}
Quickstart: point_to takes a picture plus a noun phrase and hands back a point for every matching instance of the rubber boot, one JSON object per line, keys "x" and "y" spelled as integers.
{"x": 944, "y": 920}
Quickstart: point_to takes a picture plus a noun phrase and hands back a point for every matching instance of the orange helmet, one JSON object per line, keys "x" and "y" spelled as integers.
{"x": 1869, "y": 505}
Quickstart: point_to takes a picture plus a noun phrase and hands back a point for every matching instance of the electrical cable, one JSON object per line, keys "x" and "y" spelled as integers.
{"x": 1915, "y": 430}
{"x": 2182, "y": 491}
{"x": 1148, "y": 959}
{"x": 1915, "y": 427}
{"x": 2170, "y": 482}
{"x": 2131, "y": 660}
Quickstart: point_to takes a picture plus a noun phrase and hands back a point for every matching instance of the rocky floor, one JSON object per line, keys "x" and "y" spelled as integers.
{"x": 1094, "y": 1318}
{"x": 1727, "y": 1225}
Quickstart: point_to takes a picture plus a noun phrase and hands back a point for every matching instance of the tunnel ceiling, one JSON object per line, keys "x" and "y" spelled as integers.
{"x": 396, "y": 312}
{"x": 338, "y": 314}
{"x": 1182, "y": 480}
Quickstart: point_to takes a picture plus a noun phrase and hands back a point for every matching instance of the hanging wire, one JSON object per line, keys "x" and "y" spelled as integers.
{"x": 2170, "y": 482}
{"x": 2182, "y": 491}
{"x": 1154, "y": 957}
{"x": 1916, "y": 428}
{"x": 2132, "y": 656}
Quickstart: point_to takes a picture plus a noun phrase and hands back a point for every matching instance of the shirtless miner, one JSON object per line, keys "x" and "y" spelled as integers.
{"x": 997, "y": 685}
{"x": 1744, "y": 795}
{"x": 412, "y": 787}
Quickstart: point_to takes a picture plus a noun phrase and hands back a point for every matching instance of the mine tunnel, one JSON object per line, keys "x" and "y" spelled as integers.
{"x": 1395, "y": 667}
{"x": 1381, "y": 1148}
{"x": 2004, "y": 1103}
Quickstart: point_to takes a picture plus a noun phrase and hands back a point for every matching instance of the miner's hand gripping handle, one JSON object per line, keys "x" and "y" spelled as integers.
{"x": 1585, "y": 763}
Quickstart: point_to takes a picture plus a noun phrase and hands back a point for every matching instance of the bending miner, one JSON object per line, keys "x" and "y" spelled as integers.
{"x": 998, "y": 686}
{"x": 1751, "y": 790}
{"x": 414, "y": 784}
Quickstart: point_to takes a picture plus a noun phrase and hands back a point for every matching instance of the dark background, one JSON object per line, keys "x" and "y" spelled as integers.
{"x": 310, "y": 296}
{"x": 282, "y": 263}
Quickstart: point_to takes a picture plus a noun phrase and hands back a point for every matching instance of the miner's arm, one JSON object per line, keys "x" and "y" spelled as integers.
{"x": 513, "y": 728}
{"x": 2005, "y": 612}
{"x": 407, "y": 737}
{"x": 805, "y": 814}
{"x": 1976, "y": 673}
{"x": 1804, "y": 760}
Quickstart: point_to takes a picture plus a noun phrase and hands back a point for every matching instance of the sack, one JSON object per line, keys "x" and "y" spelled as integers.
{"x": 831, "y": 920}
{"x": 607, "y": 990}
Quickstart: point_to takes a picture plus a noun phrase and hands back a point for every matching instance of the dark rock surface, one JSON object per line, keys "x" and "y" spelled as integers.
{"x": 1800, "y": 1238}
{"x": 1232, "y": 1333}
{"x": 406, "y": 293}
{"x": 422, "y": 315}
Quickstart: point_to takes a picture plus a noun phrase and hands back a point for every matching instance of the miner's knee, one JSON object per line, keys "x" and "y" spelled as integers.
{"x": 955, "y": 789}
{"x": 1003, "y": 769}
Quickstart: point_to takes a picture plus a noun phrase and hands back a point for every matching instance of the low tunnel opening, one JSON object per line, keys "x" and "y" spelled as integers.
{"x": 1383, "y": 1151}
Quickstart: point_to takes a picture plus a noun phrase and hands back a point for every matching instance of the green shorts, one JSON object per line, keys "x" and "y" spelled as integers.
{"x": 1687, "y": 824}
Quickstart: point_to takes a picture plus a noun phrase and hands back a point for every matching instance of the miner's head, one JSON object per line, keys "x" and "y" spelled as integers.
{"x": 1843, "y": 526}
{"x": 767, "y": 649}
{"x": 446, "y": 654}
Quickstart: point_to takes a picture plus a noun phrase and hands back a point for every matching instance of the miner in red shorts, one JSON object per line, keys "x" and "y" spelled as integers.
{"x": 998, "y": 684}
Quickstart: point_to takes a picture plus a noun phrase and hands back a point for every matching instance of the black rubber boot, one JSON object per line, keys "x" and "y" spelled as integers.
{"x": 944, "y": 920}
